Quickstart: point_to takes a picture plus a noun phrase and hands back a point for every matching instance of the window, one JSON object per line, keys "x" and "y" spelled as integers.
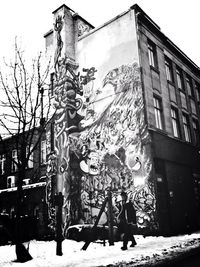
{"x": 189, "y": 86}
{"x": 158, "y": 112}
{"x": 30, "y": 161}
{"x": 179, "y": 78}
{"x": 2, "y": 163}
{"x": 43, "y": 152}
{"x": 183, "y": 100}
{"x": 14, "y": 161}
{"x": 193, "y": 106}
{"x": 168, "y": 68}
{"x": 175, "y": 122}
{"x": 152, "y": 54}
{"x": 195, "y": 125}
{"x": 186, "y": 128}
{"x": 197, "y": 89}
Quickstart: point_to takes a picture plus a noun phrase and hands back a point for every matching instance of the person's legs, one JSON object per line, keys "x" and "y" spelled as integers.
{"x": 132, "y": 239}
{"x": 125, "y": 241}
{"x": 131, "y": 236}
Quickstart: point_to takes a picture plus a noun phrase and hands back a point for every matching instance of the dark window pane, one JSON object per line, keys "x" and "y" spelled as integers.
{"x": 197, "y": 89}
{"x": 175, "y": 122}
{"x": 189, "y": 86}
{"x": 179, "y": 78}
{"x": 195, "y": 125}
{"x": 158, "y": 113}
{"x": 2, "y": 163}
{"x": 152, "y": 54}
{"x": 186, "y": 127}
{"x": 169, "y": 72}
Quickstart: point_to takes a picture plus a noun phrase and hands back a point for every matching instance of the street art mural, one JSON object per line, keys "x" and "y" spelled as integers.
{"x": 51, "y": 186}
{"x": 114, "y": 147}
{"x": 101, "y": 142}
{"x": 59, "y": 43}
{"x": 104, "y": 149}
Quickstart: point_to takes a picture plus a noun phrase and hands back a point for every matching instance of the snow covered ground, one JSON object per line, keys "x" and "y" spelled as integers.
{"x": 148, "y": 250}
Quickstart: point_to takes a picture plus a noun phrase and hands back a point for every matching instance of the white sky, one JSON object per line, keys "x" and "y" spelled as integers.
{"x": 29, "y": 20}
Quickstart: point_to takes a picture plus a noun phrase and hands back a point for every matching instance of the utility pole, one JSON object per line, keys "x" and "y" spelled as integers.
{"x": 110, "y": 219}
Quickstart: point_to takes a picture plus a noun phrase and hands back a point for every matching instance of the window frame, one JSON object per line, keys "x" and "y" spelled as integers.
{"x": 30, "y": 160}
{"x": 2, "y": 163}
{"x": 183, "y": 95}
{"x": 197, "y": 90}
{"x": 189, "y": 86}
{"x": 43, "y": 156}
{"x": 196, "y": 130}
{"x": 158, "y": 112}
{"x": 169, "y": 70}
{"x": 14, "y": 166}
{"x": 152, "y": 54}
{"x": 186, "y": 128}
{"x": 179, "y": 78}
{"x": 175, "y": 122}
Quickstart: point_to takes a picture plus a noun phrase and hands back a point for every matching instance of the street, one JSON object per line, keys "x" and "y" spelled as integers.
{"x": 150, "y": 251}
{"x": 192, "y": 260}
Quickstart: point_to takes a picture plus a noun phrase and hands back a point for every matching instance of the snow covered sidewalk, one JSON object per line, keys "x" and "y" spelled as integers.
{"x": 148, "y": 250}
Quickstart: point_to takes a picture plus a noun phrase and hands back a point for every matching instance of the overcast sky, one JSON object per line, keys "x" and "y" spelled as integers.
{"x": 29, "y": 20}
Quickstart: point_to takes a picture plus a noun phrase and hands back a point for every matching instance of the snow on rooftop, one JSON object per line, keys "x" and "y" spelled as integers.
{"x": 148, "y": 250}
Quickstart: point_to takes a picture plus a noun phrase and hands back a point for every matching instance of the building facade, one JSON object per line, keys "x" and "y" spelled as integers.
{"x": 171, "y": 92}
{"x": 127, "y": 113}
{"x": 34, "y": 208}
{"x": 127, "y": 119}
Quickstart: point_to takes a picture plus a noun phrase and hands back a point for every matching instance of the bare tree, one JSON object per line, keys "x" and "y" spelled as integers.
{"x": 25, "y": 113}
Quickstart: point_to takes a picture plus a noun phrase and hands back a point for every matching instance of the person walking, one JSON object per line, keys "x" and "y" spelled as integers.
{"x": 127, "y": 222}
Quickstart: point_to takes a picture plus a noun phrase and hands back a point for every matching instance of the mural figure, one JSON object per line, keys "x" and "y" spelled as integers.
{"x": 89, "y": 75}
{"x": 50, "y": 188}
{"x": 68, "y": 91}
{"x": 83, "y": 28}
{"x": 59, "y": 45}
{"x": 89, "y": 95}
{"x": 66, "y": 122}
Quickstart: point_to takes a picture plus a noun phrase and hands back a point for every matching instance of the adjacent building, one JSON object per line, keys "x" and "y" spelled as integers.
{"x": 171, "y": 91}
{"x": 34, "y": 185}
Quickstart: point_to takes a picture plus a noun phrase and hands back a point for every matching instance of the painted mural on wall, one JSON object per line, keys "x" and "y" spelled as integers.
{"x": 59, "y": 42}
{"x": 67, "y": 93}
{"x": 101, "y": 142}
{"x": 83, "y": 28}
{"x": 102, "y": 146}
{"x": 112, "y": 148}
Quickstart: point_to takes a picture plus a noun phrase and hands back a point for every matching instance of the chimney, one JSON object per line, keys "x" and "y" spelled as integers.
{"x": 64, "y": 32}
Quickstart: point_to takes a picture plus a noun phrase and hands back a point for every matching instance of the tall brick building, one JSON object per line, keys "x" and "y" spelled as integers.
{"x": 172, "y": 93}
{"x": 127, "y": 105}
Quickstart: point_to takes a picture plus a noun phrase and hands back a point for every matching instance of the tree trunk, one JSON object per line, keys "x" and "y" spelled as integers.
{"x": 20, "y": 250}
{"x": 59, "y": 236}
